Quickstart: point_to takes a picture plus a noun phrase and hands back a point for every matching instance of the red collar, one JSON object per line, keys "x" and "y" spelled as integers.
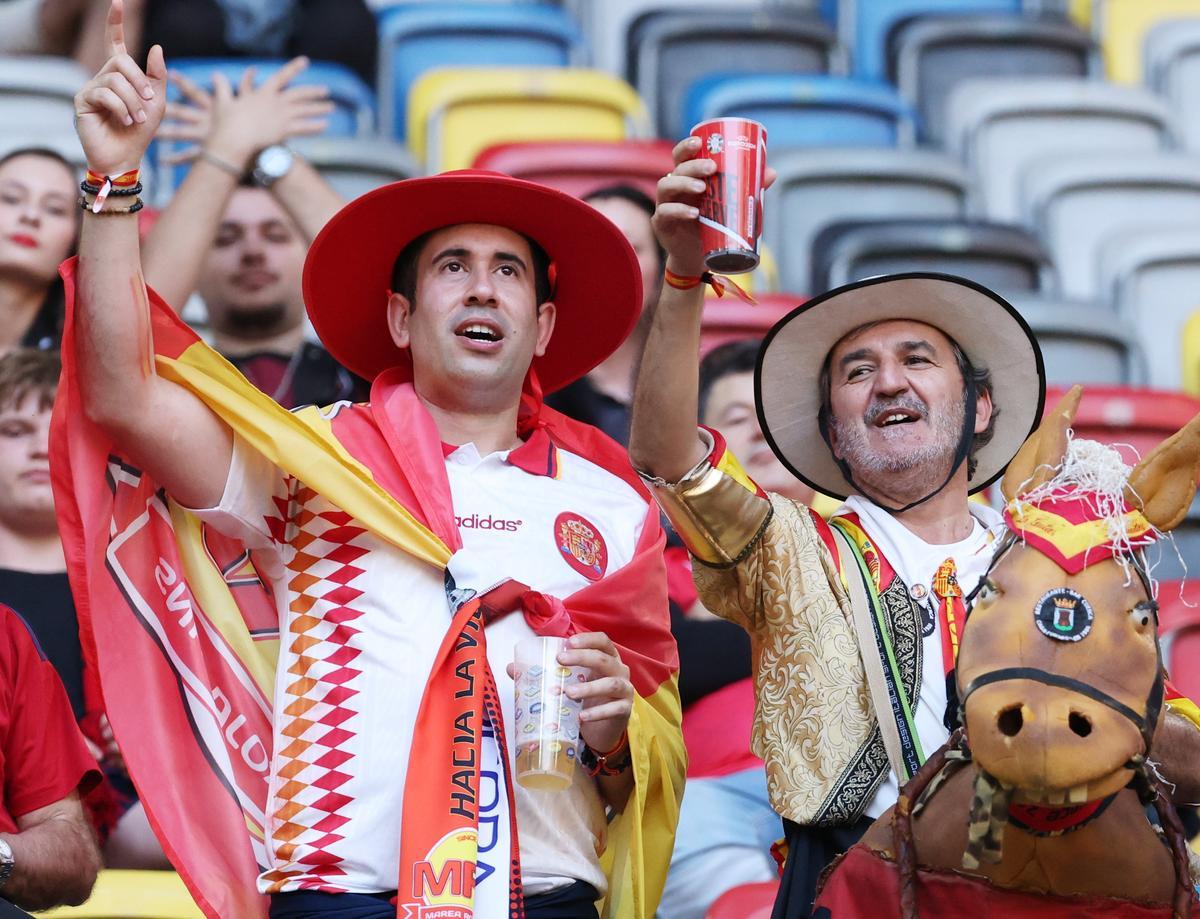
{"x": 1054, "y": 821}
{"x": 537, "y": 455}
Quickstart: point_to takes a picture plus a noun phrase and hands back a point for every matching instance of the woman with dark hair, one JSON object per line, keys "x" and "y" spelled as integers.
{"x": 39, "y": 226}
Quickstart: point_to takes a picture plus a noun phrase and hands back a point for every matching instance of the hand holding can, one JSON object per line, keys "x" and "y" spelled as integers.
{"x": 546, "y": 719}
{"x": 731, "y": 207}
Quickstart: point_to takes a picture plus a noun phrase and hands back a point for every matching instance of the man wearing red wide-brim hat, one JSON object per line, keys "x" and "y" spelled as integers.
{"x": 304, "y": 621}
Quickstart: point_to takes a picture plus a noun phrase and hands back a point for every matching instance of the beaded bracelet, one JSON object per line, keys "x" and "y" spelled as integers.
{"x": 90, "y": 208}
{"x": 114, "y": 192}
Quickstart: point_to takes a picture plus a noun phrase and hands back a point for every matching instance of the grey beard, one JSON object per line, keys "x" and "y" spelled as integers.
{"x": 933, "y": 458}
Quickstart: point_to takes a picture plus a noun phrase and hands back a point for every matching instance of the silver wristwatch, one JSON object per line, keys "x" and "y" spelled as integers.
{"x": 272, "y": 164}
{"x": 6, "y": 862}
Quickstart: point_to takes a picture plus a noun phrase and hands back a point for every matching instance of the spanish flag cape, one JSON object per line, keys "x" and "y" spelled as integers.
{"x": 183, "y": 632}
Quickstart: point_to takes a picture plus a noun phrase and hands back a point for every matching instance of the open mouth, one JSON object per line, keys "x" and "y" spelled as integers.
{"x": 896, "y": 416}
{"x": 479, "y": 331}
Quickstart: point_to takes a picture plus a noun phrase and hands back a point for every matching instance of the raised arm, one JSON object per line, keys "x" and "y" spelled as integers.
{"x": 228, "y": 131}
{"x": 662, "y": 438}
{"x": 169, "y": 432}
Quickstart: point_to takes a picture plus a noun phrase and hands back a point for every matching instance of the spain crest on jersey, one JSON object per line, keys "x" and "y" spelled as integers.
{"x": 581, "y": 545}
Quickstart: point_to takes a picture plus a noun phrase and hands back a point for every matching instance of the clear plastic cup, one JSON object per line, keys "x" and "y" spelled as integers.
{"x": 546, "y": 719}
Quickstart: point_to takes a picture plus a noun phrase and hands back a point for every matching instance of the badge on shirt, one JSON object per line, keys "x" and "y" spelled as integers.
{"x": 581, "y": 545}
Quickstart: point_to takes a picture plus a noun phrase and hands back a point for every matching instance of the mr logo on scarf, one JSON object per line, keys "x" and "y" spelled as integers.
{"x": 449, "y": 849}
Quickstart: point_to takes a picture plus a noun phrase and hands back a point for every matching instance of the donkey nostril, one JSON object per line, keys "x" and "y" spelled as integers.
{"x": 1010, "y": 721}
{"x": 1079, "y": 724}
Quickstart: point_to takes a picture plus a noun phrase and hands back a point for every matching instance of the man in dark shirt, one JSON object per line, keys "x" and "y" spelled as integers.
{"x": 602, "y": 398}
{"x": 237, "y": 230}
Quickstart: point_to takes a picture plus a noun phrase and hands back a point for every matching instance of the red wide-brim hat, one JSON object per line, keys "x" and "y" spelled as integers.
{"x": 348, "y": 272}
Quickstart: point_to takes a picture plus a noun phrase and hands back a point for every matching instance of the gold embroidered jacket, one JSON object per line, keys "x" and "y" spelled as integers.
{"x": 761, "y": 561}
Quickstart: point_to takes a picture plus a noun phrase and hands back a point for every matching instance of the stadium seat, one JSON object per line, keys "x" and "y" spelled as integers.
{"x": 453, "y": 114}
{"x": 1153, "y": 278}
{"x": 1179, "y": 631}
{"x": 414, "y": 39}
{"x": 669, "y": 51}
{"x": 818, "y": 187}
{"x": 807, "y": 111}
{"x": 578, "y": 167}
{"x": 1080, "y": 344}
{"x": 608, "y": 23}
{"x": 1122, "y": 26}
{"x": 133, "y": 895}
{"x": 1002, "y": 257}
{"x": 931, "y": 54}
{"x": 999, "y": 125}
{"x": 746, "y": 901}
{"x": 37, "y": 94}
{"x": 1134, "y": 420}
{"x": 874, "y": 22}
{"x": 1172, "y": 65}
{"x": 729, "y": 319}
{"x": 1191, "y": 353}
{"x": 355, "y": 165}
{"x": 1076, "y": 204}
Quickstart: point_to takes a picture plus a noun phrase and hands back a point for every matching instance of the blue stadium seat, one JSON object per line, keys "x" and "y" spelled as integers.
{"x": 670, "y": 51}
{"x": 354, "y": 101}
{"x": 875, "y": 19}
{"x": 806, "y": 111}
{"x": 414, "y": 39}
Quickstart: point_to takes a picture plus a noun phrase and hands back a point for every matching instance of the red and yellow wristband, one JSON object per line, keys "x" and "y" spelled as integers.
{"x": 718, "y": 283}
{"x": 101, "y": 186}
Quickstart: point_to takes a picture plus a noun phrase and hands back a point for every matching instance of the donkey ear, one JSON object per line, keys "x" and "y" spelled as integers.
{"x": 1044, "y": 451}
{"x": 1164, "y": 483}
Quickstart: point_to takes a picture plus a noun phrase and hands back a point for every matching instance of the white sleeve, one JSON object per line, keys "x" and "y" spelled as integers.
{"x": 256, "y": 493}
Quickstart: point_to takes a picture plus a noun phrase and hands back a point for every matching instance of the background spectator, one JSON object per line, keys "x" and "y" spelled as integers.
{"x": 603, "y": 397}
{"x": 39, "y": 224}
{"x": 33, "y": 580}
{"x": 726, "y": 824}
{"x": 44, "y": 768}
{"x": 238, "y": 235}
{"x": 328, "y": 30}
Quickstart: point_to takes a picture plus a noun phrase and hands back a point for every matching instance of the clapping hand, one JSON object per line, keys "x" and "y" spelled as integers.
{"x": 118, "y": 110}
{"x": 234, "y": 126}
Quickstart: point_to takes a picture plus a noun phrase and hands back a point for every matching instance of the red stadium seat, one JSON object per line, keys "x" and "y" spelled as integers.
{"x": 747, "y": 901}
{"x": 1128, "y": 417}
{"x": 579, "y": 167}
{"x": 1179, "y": 629}
{"x": 728, "y": 319}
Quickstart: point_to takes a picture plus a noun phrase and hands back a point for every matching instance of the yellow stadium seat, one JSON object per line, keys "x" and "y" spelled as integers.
{"x": 1081, "y": 12}
{"x": 455, "y": 113}
{"x": 1191, "y": 355}
{"x": 1122, "y": 26}
{"x": 133, "y": 895}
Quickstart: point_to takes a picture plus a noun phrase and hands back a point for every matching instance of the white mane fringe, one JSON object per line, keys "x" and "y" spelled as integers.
{"x": 1095, "y": 474}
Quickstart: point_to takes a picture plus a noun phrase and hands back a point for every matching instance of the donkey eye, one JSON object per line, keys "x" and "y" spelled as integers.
{"x": 1142, "y": 616}
{"x": 988, "y": 592}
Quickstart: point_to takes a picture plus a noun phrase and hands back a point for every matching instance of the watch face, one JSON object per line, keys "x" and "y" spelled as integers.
{"x": 274, "y": 161}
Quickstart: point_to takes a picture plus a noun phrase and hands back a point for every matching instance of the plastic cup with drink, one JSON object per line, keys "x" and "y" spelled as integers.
{"x": 731, "y": 207}
{"x": 546, "y": 719}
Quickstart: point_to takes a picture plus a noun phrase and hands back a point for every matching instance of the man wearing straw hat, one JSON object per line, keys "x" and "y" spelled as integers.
{"x": 302, "y": 620}
{"x": 902, "y": 395}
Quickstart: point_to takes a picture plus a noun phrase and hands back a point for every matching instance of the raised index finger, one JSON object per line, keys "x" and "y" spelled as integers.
{"x": 115, "y": 28}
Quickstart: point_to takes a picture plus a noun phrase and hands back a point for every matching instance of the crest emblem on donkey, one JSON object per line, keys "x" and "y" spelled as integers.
{"x": 1037, "y": 805}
